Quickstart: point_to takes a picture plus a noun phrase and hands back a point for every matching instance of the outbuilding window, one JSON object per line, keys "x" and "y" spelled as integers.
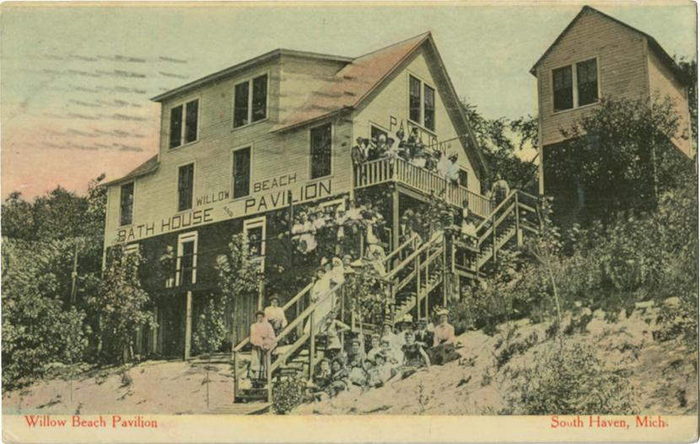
{"x": 584, "y": 75}
{"x": 321, "y": 151}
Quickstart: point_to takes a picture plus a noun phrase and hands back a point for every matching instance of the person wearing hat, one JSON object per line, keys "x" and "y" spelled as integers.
{"x": 452, "y": 172}
{"x": 414, "y": 354}
{"x": 359, "y": 152}
{"x": 263, "y": 339}
{"x": 424, "y": 334}
{"x": 275, "y": 315}
{"x": 357, "y": 373}
{"x": 443, "y": 349}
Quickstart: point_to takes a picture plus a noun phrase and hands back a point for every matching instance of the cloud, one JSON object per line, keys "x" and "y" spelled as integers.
{"x": 119, "y": 116}
{"x": 169, "y": 74}
{"x": 172, "y": 60}
{"x": 122, "y": 74}
{"x": 82, "y": 103}
{"x": 119, "y": 133}
{"x": 123, "y": 58}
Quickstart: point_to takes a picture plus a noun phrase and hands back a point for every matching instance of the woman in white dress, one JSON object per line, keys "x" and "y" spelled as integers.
{"x": 320, "y": 291}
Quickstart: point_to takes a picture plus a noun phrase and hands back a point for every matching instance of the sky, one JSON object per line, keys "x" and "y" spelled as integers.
{"x": 76, "y": 79}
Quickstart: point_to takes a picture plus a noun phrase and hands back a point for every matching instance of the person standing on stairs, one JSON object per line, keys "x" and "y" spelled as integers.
{"x": 320, "y": 292}
{"x": 263, "y": 339}
{"x": 275, "y": 315}
{"x": 499, "y": 190}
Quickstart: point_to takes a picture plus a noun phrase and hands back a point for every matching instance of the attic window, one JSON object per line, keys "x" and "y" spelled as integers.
{"x": 421, "y": 103}
{"x": 183, "y": 123}
{"x": 584, "y": 75}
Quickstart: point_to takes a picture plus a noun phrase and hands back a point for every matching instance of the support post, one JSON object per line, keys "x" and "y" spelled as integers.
{"x": 418, "y": 285}
{"x": 312, "y": 346}
{"x": 235, "y": 375}
{"x": 268, "y": 371}
{"x": 188, "y": 325}
{"x": 395, "y": 219}
{"x": 518, "y": 231}
{"x": 493, "y": 237}
{"x": 445, "y": 283}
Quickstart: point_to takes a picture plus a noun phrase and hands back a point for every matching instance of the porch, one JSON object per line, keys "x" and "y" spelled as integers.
{"x": 419, "y": 180}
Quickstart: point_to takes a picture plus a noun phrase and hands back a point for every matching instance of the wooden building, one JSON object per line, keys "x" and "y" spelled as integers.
{"x": 596, "y": 57}
{"x": 243, "y": 145}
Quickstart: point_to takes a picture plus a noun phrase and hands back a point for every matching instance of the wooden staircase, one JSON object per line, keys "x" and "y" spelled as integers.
{"x": 416, "y": 276}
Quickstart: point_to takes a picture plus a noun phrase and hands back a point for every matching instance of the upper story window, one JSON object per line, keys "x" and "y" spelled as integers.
{"x": 126, "y": 204}
{"x": 241, "y": 172}
{"x": 421, "y": 103}
{"x": 582, "y": 75}
{"x": 185, "y": 187}
{"x": 321, "y": 150}
{"x": 184, "y": 123}
{"x": 250, "y": 101}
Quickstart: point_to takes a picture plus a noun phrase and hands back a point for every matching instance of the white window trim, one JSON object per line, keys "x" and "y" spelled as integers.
{"x": 256, "y": 222}
{"x": 177, "y": 186}
{"x": 233, "y": 182}
{"x": 421, "y": 125}
{"x": 131, "y": 248}
{"x": 249, "y": 81}
{"x": 574, "y": 85}
{"x": 133, "y": 201}
{"x": 181, "y": 239}
{"x": 184, "y": 121}
{"x": 308, "y": 144}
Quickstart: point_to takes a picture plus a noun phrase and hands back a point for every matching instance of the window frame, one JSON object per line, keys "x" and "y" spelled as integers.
{"x": 183, "y": 122}
{"x": 177, "y": 185}
{"x": 133, "y": 199}
{"x": 252, "y": 223}
{"x": 423, "y": 84}
{"x": 249, "y": 81}
{"x": 181, "y": 240}
{"x": 574, "y": 84}
{"x": 250, "y": 174}
{"x": 311, "y": 159}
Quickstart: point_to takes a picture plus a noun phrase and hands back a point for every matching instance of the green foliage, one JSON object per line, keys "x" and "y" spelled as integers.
{"x": 210, "y": 328}
{"x": 38, "y": 329}
{"x": 239, "y": 275}
{"x": 287, "y": 394}
{"x": 568, "y": 379}
{"x": 122, "y": 304}
{"x": 689, "y": 69}
{"x": 621, "y": 156}
{"x": 501, "y": 140}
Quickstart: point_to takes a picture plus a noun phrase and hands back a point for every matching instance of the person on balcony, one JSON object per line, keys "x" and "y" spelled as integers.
{"x": 499, "y": 190}
{"x": 443, "y": 164}
{"x": 452, "y": 173}
{"x": 360, "y": 152}
{"x": 403, "y": 147}
{"x": 275, "y": 315}
{"x": 419, "y": 159}
{"x": 263, "y": 339}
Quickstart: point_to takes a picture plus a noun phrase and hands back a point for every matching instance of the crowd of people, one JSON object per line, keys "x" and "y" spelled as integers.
{"x": 410, "y": 149}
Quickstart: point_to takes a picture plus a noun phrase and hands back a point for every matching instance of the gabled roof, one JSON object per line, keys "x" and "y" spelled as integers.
{"x": 232, "y": 70}
{"x": 148, "y": 167}
{"x": 653, "y": 44}
{"x": 353, "y": 82}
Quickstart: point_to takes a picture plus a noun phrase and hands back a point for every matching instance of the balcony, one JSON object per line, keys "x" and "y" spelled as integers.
{"x": 418, "y": 179}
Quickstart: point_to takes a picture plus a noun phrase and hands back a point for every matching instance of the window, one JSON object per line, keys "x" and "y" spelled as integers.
{"x": 421, "y": 103}
{"x": 131, "y": 249}
{"x": 241, "y": 172}
{"x": 186, "y": 267}
{"x": 587, "y": 81}
{"x": 563, "y": 90}
{"x": 126, "y": 204}
{"x": 247, "y": 107}
{"x": 254, "y": 232}
{"x": 321, "y": 151}
{"x": 184, "y": 131}
{"x": 463, "y": 178}
{"x": 584, "y": 77}
{"x": 429, "y": 107}
{"x": 414, "y": 99}
{"x": 376, "y": 132}
{"x": 185, "y": 187}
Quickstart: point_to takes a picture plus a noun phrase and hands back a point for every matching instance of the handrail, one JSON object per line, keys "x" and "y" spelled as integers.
{"x": 434, "y": 239}
{"x": 400, "y": 247}
{"x": 286, "y": 306}
{"x": 496, "y": 223}
{"x": 498, "y": 207}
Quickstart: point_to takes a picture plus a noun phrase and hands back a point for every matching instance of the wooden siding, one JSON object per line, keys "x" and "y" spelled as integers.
{"x": 663, "y": 84}
{"x": 392, "y": 101}
{"x": 622, "y": 68}
{"x": 273, "y": 155}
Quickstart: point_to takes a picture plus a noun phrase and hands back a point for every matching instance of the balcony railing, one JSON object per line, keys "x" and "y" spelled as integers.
{"x": 420, "y": 179}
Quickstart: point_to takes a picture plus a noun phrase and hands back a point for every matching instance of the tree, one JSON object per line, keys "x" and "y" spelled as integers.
{"x": 689, "y": 70}
{"x": 501, "y": 140}
{"x": 38, "y": 332}
{"x": 122, "y": 304}
{"x": 620, "y": 157}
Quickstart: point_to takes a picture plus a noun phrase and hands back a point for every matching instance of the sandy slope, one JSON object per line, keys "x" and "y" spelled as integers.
{"x": 663, "y": 376}
{"x": 164, "y": 387}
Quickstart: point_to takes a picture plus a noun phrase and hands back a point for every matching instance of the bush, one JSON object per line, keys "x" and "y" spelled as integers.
{"x": 287, "y": 394}
{"x": 210, "y": 328}
{"x": 568, "y": 379}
